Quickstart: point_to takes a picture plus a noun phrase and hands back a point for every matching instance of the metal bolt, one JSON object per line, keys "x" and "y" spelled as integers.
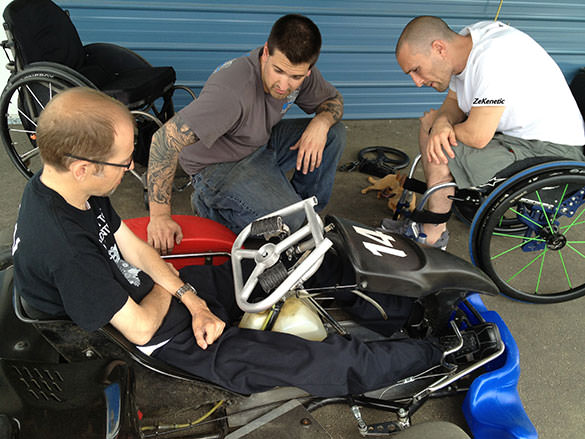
{"x": 306, "y": 422}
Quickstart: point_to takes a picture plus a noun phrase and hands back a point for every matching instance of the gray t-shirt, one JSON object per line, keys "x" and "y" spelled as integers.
{"x": 233, "y": 116}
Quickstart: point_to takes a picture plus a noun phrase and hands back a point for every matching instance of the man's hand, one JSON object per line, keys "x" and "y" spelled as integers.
{"x": 164, "y": 233}
{"x": 206, "y": 327}
{"x": 311, "y": 145}
{"x": 441, "y": 137}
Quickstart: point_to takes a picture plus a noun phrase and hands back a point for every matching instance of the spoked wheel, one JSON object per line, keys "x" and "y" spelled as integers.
{"x": 23, "y": 99}
{"x": 544, "y": 262}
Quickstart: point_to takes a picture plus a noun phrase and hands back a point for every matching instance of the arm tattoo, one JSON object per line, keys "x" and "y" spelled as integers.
{"x": 333, "y": 106}
{"x": 166, "y": 145}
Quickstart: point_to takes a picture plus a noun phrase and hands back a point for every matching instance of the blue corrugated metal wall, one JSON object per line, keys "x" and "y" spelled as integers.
{"x": 358, "y": 38}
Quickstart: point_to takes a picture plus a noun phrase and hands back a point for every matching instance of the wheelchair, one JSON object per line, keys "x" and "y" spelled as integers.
{"x": 526, "y": 226}
{"x": 383, "y": 263}
{"x": 46, "y": 56}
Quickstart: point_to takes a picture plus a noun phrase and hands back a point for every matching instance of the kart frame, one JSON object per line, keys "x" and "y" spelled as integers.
{"x": 492, "y": 406}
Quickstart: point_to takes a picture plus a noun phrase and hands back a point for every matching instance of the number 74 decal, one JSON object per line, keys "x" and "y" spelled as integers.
{"x": 384, "y": 242}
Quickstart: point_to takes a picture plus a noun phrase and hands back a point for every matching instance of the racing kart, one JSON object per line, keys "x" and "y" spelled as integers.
{"x": 59, "y": 381}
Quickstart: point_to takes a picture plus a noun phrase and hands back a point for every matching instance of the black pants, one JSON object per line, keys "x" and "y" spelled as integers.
{"x": 249, "y": 361}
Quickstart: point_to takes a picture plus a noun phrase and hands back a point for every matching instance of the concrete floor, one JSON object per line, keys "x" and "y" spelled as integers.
{"x": 552, "y": 383}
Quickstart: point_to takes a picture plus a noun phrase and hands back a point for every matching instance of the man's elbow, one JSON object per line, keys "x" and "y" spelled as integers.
{"x": 141, "y": 334}
{"x": 481, "y": 143}
{"x": 478, "y": 140}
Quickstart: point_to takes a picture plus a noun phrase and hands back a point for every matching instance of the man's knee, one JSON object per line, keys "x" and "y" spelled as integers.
{"x": 437, "y": 173}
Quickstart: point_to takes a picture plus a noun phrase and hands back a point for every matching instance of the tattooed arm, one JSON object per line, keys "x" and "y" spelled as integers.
{"x": 166, "y": 145}
{"x": 312, "y": 142}
{"x": 332, "y": 108}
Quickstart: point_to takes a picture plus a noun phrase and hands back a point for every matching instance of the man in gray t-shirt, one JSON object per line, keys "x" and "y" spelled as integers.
{"x": 232, "y": 142}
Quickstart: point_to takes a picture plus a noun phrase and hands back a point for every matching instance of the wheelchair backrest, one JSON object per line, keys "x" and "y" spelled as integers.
{"x": 42, "y": 31}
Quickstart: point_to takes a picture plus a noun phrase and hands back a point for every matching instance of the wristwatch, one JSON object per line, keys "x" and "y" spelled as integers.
{"x": 183, "y": 289}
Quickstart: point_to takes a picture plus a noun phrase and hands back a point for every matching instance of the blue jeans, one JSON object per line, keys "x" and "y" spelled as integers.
{"x": 236, "y": 193}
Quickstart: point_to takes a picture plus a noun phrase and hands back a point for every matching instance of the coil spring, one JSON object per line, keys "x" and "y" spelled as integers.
{"x": 271, "y": 278}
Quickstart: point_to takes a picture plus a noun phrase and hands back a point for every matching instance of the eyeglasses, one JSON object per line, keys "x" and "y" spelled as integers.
{"x": 99, "y": 162}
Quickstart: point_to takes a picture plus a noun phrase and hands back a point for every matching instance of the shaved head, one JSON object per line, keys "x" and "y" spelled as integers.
{"x": 420, "y": 33}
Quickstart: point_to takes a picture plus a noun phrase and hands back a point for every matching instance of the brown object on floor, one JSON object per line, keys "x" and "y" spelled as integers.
{"x": 390, "y": 187}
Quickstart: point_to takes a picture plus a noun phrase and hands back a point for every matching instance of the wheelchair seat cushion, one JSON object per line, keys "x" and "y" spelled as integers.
{"x": 133, "y": 87}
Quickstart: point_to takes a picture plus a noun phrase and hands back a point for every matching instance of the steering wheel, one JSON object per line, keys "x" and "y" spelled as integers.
{"x": 269, "y": 254}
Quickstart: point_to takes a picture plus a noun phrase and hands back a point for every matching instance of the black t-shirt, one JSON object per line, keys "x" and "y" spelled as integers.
{"x": 67, "y": 262}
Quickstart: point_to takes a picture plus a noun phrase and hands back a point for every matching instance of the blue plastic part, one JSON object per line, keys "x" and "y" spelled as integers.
{"x": 114, "y": 405}
{"x": 492, "y": 406}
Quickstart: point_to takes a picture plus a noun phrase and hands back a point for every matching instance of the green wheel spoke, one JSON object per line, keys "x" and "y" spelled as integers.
{"x": 507, "y": 251}
{"x": 544, "y": 211}
{"x": 565, "y": 270}
{"x": 575, "y": 221}
{"x": 573, "y": 224}
{"x": 560, "y": 202}
{"x": 526, "y": 217}
{"x": 575, "y": 250}
{"x": 506, "y": 235}
{"x": 541, "y": 255}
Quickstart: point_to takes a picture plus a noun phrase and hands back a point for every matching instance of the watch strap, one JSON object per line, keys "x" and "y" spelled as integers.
{"x": 183, "y": 289}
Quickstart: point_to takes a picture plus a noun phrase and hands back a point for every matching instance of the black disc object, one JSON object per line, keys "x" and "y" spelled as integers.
{"x": 387, "y": 160}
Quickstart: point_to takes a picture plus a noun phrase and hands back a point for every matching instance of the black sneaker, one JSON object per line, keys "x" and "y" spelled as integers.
{"x": 479, "y": 341}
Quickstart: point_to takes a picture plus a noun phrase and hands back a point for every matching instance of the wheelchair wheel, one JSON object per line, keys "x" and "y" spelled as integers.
{"x": 22, "y": 101}
{"x": 542, "y": 263}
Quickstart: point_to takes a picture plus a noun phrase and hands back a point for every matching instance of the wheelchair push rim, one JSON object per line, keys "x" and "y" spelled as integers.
{"x": 544, "y": 262}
